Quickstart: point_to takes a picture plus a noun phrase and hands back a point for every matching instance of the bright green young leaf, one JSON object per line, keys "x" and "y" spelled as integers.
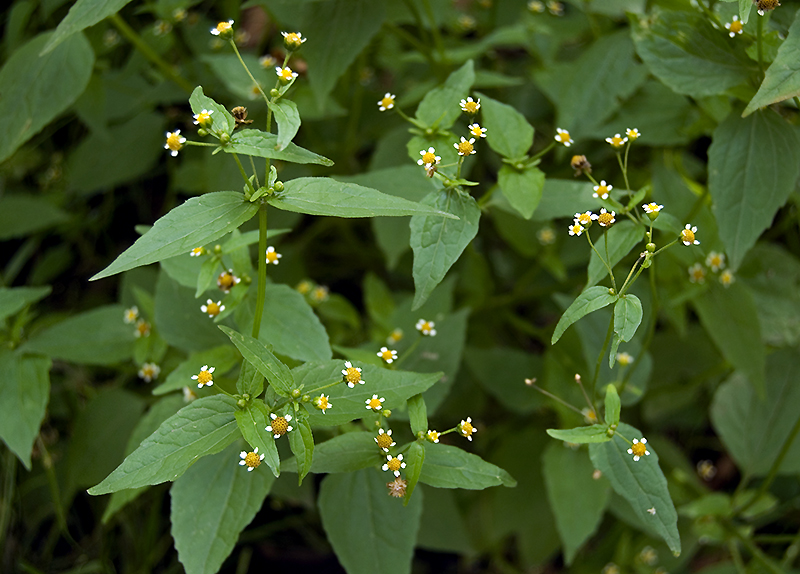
{"x": 349, "y": 526}
{"x": 451, "y": 467}
{"x": 523, "y": 189}
{"x": 622, "y": 238}
{"x": 221, "y": 119}
{"x": 261, "y": 357}
{"x": 753, "y": 165}
{"x": 211, "y": 504}
{"x": 590, "y": 300}
{"x": 301, "y": 441}
{"x": 507, "y": 131}
{"x": 15, "y": 299}
{"x": 205, "y": 426}
{"x": 581, "y": 435}
{"x": 208, "y": 272}
{"x": 81, "y": 15}
{"x": 627, "y": 318}
{"x": 417, "y": 415}
{"x": 414, "y": 459}
{"x": 37, "y": 89}
{"x": 196, "y": 222}
{"x": 577, "y": 499}
{"x": 261, "y": 144}
{"x": 24, "y": 214}
{"x": 612, "y": 405}
{"x": 344, "y": 453}
{"x": 325, "y": 196}
{"x": 641, "y": 483}
{"x": 437, "y": 242}
{"x": 222, "y": 358}
{"x": 288, "y": 119}
{"x": 25, "y": 388}
{"x": 250, "y": 381}
{"x": 440, "y": 106}
{"x": 782, "y": 80}
{"x": 252, "y": 422}
{"x": 755, "y": 429}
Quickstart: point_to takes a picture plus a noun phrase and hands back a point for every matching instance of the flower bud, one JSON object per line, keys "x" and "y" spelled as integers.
{"x": 305, "y": 398}
{"x": 278, "y": 186}
{"x": 651, "y": 247}
{"x": 296, "y": 393}
{"x": 241, "y": 403}
{"x": 202, "y": 132}
{"x": 224, "y": 139}
{"x": 274, "y": 92}
{"x": 580, "y": 164}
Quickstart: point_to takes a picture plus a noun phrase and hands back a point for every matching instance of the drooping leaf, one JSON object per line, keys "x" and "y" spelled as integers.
{"x": 253, "y": 421}
{"x": 221, "y": 119}
{"x": 451, "y": 467}
{"x": 417, "y": 415}
{"x": 262, "y": 144}
{"x": 612, "y": 404}
{"x": 288, "y": 119}
{"x": 622, "y": 238}
{"x": 344, "y": 453}
{"x": 590, "y": 300}
{"x": 627, "y": 318}
{"x": 81, "y": 15}
{"x": 522, "y": 188}
{"x": 301, "y": 441}
{"x": 414, "y": 459}
{"x": 24, "y": 214}
{"x": 250, "y": 381}
{"x": 581, "y": 435}
{"x": 440, "y": 106}
{"x": 260, "y": 356}
{"x": 507, "y": 131}
{"x": 15, "y": 299}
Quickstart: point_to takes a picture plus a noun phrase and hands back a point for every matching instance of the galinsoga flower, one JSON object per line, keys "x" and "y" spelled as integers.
{"x": 687, "y": 235}
{"x": 304, "y": 287}
{"x": 624, "y": 359}
{"x": 585, "y": 219}
{"x": 470, "y": 106}
{"x": 174, "y": 142}
{"x": 466, "y": 429}
{"x": 386, "y": 102}
{"x": 716, "y": 261}
{"x": 286, "y": 74}
{"x": 648, "y": 555}
{"x": 273, "y": 256}
{"x": 477, "y": 131}
{"x": 605, "y": 218}
{"x": 426, "y": 327}
{"x": 204, "y": 378}
{"x": 223, "y": 29}
{"x": 546, "y": 236}
{"x": 213, "y": 309}
{"x": 766, "y": 5}
{"x": 706, "y": 470}
{"x": 555, "y": 8}
{"x": 576, "y": 229}
{"x": 395, "y": 336}
{"x": 580, "y": 164}
{"x": 638, "y": 450}
{"x": 432, "y": 436}
{"x": 142, "y": 329}
{"x": 188, "y": 395}
{"x": 293, "y": 40}
{"x": 387, "y": 354}
{"x": 352, "y": 375}
{"x": 203, "y": 119}
{"x": 652, "y": 207}
{"x": 617, "y": 141}
{"x": 652, "y": 511}
{"x": 394, "y": 464}
{"x": 279, "y": 426}
{"x": 397, "y": 488}
{"x": 562, "y": 136}
{"x": 601, "y": 191}
{"x": 197, "y": 252}
{"x": 633, "y": 134}
{"x": 131, "y": 315}
{"x": 536, "y": 6}
{"x": 227, "y": 280}
{"x": 267, "y": 61}
{"x": 320, "y": 293}
{"x": 726, "y": 278}
{"x": 375, "y": 403}
{"x": 322, "y": 403}
{"x": 149, "y": 371}
{"x": 464, "y": 147}
{"x": 384, "y": 440}
{"x": 697, "y": 274}
{"x": 250, "y": 459}
{"x": 429, "y": 158}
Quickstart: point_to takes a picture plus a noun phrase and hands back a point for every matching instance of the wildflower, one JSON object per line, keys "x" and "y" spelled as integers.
{"x": 476, "y": 130}
{"x": 213, "y": 309}
{"x": 563, "y": 137}
{"x": 464, "y": 147}
{"x": 388, "y": 355}
{"x": 432, "y": 436}
{"x": 601, "y": 191}
{"x": 546, "y": 236}
{"x": 280, "y": 425}
{"x": 652, "y": 510}
{"x": 649, "y": 556}
{"x": 386, "y": 102}
{"x": 250, "y": 459}
{"x": 320, "y": 293}
{"x": 293, "y": 40}
{"x": 304, "y": 287}
{"x": 384, "y": 440}
{"x": 589, "y": 415}
{"x": 286, "y": 74}
{"x": 131, "y": 315}
{"x": 624, "y": 359}
{"x": 706, "y": 470}
{"x": 161, "y": 28}
{"x": 426, "y": 327}
{"x": 394, "y": 337}
{"x": 633, "y": 134}
{"x": 110, "y": 38}
{"x": 242, "y": 37}
{"x": 352, "y": 375}
{"x": 606, "y": 219}
{"x": 555, "y": 8}
{"x": 188, "y": 395}
{"x": 149, "y": 371}
{"x": 204, "y": 378}
{"x": 466, "y": 429}
{"x": 394, "y": 464}
{"x": 766, "y": 5}
{"x": 580, "y": 164}
{"x": 322, "y": 403}
{"x": 203, "y": 119}
{"x": 197, "y": 252}
{"x": 536, "y": 6}
{"x": 466, "y": 22}
{"x": 638, "y": 450}
{"x": 470, "y": 106}
{"x": 142, "y": 329}
{"x": 227, "y": 280}
{"x": 715, "y": 260}
{"x": 576, "y": 229}
{"x": 273, "y": 256}
{"x": 174, "y": 142}
{"x": 687, "y": 235}
{"x": 223, "y": 29}
{"x": 179, "y": 14}
{"x": 726, "y": 278}
{"x": 617, "y": 141}
{"x": 397, "y": 488}
{"x": 697, "y": 274}
{"x": 267, "y": 61}
{"x": 375, "y": 403}
{"x": 597, "y": 474}
{"x": 429, "y": 158}
{"x": 610, "y": 568}
{"x": 652, "y": 208}
{"x": 585, "y": 219}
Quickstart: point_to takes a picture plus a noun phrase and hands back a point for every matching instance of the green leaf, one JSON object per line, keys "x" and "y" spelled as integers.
{"x": 622, "y": 238}
{"x": 344, "y": 453}
{"x": 260, "y": 356}
{"x": 325, "y": 196}
{"x": 417, "y": 415}
{"x": 96, "y": 337}
{"x": 753, "y": 165}
{"x": 440, "y": 106}
{"x": 577, "y": 499}
{"x": 590, "y": 300}
{"x": 211, "y": 504}
{"x": 262, "y": 144}
{"x": 755, "y": 429}
{"x": 208, "y": 272}
{"x": 378, "y": 519}
{"x": 507, "y": 131}
{"x": 252, "y": 422}
{"x": 25, "y": 388}
{"x": 196, "y": 222}
{"x": 450, "y": 467}
{"x": 81, "y": 15}
{"x": 288, "y": 118}
{"x": 689, "y": 55}
{"x": 523, "y": 189}
{"x": 581, "y": 435}
{"x": 414, "y": 459}
{"x": 205, "y": 426}
{"x": 640, "y": 482}
{"x": 730, "y": 318}
{"x": 301, "y": 441}
{"x": 24, "y": 214}
{"x": 627, "y": 318}
{"x": 221, "y": 120}
{"x": 516, "y": 366}
{"x": 37, "y": 89}
{"x": 782, "y": 80}
{"x": 250, "y": 381}
{"x": 15, "y": 299}
{"x": 437, "y": 242}
{"x": 612, "y": 405}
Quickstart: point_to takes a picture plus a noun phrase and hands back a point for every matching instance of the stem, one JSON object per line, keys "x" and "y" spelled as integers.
{"x": 412, "y": 41}
{"x": 255, "y": 173}
{"x": 651, "y": 329}
{"x": 243, "y": 172}
{"x": 262, "y": 268}
{"x": 246, "y": 69}
{"x": 407, "y": 352}
{"x": 585, "y": 396}
{"x": 148, "y": 52}
{"x": 624, "y": 170}
{"x": 545, "y": 150}
{"x": 628, "y": 278}
{"x": 55, "y": 493}
{"x": 9, "y": 482}
{"x": 559, "y": 400}
{"x": 601, "y": 355}
{"x": 458, "y": 169}
{"x": 608, "y": 268}
{"x": 759, "y": 43}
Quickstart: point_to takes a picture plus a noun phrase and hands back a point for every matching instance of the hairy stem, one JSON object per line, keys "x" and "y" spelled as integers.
{"x": 262, "y": 268}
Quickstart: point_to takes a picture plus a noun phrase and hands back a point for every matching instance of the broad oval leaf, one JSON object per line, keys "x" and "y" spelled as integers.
{"x": 259, "y": 355}
{"x": 263, "y": 144}
{"x": 25, "y": 214}
{"x": 590, "y": 300}
{"x": 507, "y": 131}
{"x": 194, "y": 223}
{"x": 414, "y": 459}
{"x": 581, "y": 435}
{"x": 451, "y": 467}
{"x": 627, "y": 316}
{"x": 81, "y": 15}
{"x": 253, "y": 422}
{"x": 440, "y": 106}
{"x": 288, "y": 118}
{"x": 612, "y": 404}
{"x": 417, "y": 414}
{"x": 523, "y": 189}
{"x": 344, "y": 453}
{"x": 301, "y": 441}
{"x": 221, "y": 119}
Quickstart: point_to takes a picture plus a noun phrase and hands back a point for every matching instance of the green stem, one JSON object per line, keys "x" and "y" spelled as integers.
{"x": 544, "y": 151}
{"x": 246, "y": 69}
{"x": 407, "y": 352}
{"x": 602, "y": 355}
{"x": 255, "y": 173}
{"x": 148, "y": 52}
{"x": 628, "y": 281}
{"x": 558, "y": 399}
{"x": 608, "y": 268}
{"x": 412, "y": 41}
{"x": 262, "y": 268}
{"x": 651, "y": 329}
{"x": 55, "y": 492}
{"x": 9, "y": 482}
{"x": 622, "y": 167}
{"x": 759, "y": 43}
{"x": 243, "y": 172}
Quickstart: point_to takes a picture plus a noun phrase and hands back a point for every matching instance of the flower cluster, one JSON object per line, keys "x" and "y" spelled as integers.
{"x": 715, "y": 262}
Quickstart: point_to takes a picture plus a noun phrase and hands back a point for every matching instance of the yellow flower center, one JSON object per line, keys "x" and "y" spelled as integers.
{"x": 387, "y": 102}
{"x": 387, "y": 355}
{"x": 471, "y": 107}
{"x": 433, "y": 435}
{"x": 617, "y": 141}
{"x": 223, "y": 27}
{"x": 563, "y": 137}
{"x": 212, "y": 309}
{"x": 476, "y": 131}
{"x": 698, "y": 274}
{"x": 304, "y": 287}
{"x": 396, "y": 335}
{"x": 584, "y": 219}
{"x": 602, "y": 190}
{"x": 687, "y": 236}
{"x": 272, "y": 256}
{"x": 252, "y": 460}
{"x": 374, "y": 404}
{"x": 279, "y": 426}
{"x": 639, "y": 449}
{"x": 197, "y": 251}
{"x": 292, "y": 39}
{"x": 384, "y": 440}
{"x": 465, "y": 148}
{"x": 653, "y": 207}
{"x": 143, "y": 327}
{"x": 577, "y": 228}
{"x": 174, "y": 141}
{"x": 394, "y": 464}
{"x": 203, "y": 118}
{"x": 605, "y": 219}
{"x": 353, "y": 375}
{"x": 322, "y": 403}
{"x": 225, "y": 281}
{"x": 286, "y": 74}
{"x": 426, "y": 326}
{"x": 428, "y": 157}
{"x": 467, "y": 429}
{"x": 204, "y": 377}
{"x": 320, "y": 294}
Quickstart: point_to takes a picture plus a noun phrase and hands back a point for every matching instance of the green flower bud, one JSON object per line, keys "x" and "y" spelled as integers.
{"x": 651, "y": 247}
{"x": 296, "y": 394}
{"x": 224, "y": 139}
{"x": 278, "y": 186}
{"x": 274, "y": 92}
{"x": 202, "y": 132}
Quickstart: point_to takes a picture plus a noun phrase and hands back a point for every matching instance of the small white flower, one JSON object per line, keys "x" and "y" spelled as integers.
{"x": 426, "y": 327}
{"x": 384, "y": 440}
{"x": 388, "y": 355}
{"x": 470, "y": 106}
{"x": 465, "y": 146}
{"x": 735, "y": 27}
{"x": 149, "y": 371}
{"x": 250, "y": 459}
{"x": 576, "y": 229}
{"x": 352, "y": 375}
{"x": 386, "y": 102}
{"x": 429, "y": 158}
{"x": 652, "y": 207}
{"x": 285, "y": 74}
{"x": 633, "y": 134}
{"x": 204, "y": 378}
{"x": 273, "y": 256}
{"x": 131, "y": 315}
{"x": 174, "y": 142}
{"x": 652, "y": 511}
{"x": 563, "y": 137}
{"x": 601, "y": 191}
{"x": 638, "y": 450}
{"x": 223, "y": 28}
{"x": 375, "y": 403}
{"x": 687, "y": 235}
{"x": 280, "y": 425}
{"x": 476, "y": 130}
{"x": 394, "y": 464}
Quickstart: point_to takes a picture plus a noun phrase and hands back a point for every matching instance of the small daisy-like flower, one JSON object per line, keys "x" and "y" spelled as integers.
{"x": 223, "y": 29}
{"x": 576, "y": 229}
{"x": 649, "y": 556}
{"x": 464, "y": 147}
{"x": 279, "y": 426}
{"x": 697, "y": 273}
{"x": 601, "y": 191}
{"x": 273, "y": 256}
{"x": 589, "y": 415}
{"x": 624, "y": 359}
{"x": 477, "y": 131}
{"x": 203, "y": 119}
{"x": 652, "y": 207}
{"x": 706, "y": 470}
{"x": 429, "y": 158}
{"x": 687, "y": 235}
{"x": 555, "y": 8}
{"x": 204, "y": 378}
{"x": 470, "y": 106}
{"x": 610, "y": 568}
{"x": 562, "y": 136}
{"x": 432, "y": 436}
{"x": 142, "y": 329}
{"x": 546, "y": 236}
{"x": 536, "y": 6}
{"x": 638, "y": 450}
{"x": 174, "y": 142}
{"x": 715, "y": 260}
{"x": 375, "y": 403}
{"x": 131, "y": 315}
{"x": 387, "y": 354}
{"x": 726, "y": 278}
{"x": 466, "y": 429}
{"x": 386, "y": 102}
{"x": 293, "y": 40}
{"x": 286, "y": 74}
{"x": 161, "y": 28}
{"x": 213, "y": 309}
{"x": 426, "y": 327}
{"x": 394, "y": 337}
{"x": 250, "y": 459}
{"x": 633, "y": 134}
{"x": 397, "y": 488}
{"x": 585, "y": 219}
{"x": 149, "y": 371}
{"x": 188, "y": 395}
{"x": 466, "y": 22}
{"x": 227, "y": 280}
{"x": 352, "y": 375}
{"x": 304, "y": 287}
{"x": 617, "y": 141}
{"x": 652, "y": 510}
{"x": 179, "y": 14}
{"x": 766, "y": 5}
{"x": 384, "y": 440}
{"x": 197, "y": 252}
{"x": 580, "y": 164}
{"x": 322, "y": 403}
{"x": 605, "y": 218}
{"x": 394, "y": 464}
{"x": 320, "y": 293}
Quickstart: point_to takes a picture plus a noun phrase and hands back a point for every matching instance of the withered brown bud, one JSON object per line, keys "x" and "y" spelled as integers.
{"x": 239, "y": 114}
{"x": 580, "y": 164}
